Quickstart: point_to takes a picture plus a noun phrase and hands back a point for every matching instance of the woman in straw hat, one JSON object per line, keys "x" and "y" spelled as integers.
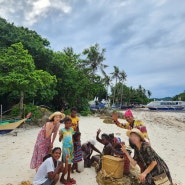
{"x": 149, "y": 161}
{"x": 45, "y": 139}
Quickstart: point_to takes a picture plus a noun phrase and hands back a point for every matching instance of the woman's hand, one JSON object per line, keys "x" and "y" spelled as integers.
{"x": 123, "y": 148}
{"x": 142, "y": 177}
{"x": 51, "y": 145}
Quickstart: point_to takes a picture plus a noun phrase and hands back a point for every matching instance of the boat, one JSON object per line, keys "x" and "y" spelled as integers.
{"x": 166, "y": 105}
{"x": 8, "y": 126}
{"x": 96, "y": 104}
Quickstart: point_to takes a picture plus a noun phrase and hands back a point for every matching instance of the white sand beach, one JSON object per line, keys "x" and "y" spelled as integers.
{"x": 166, "y": 131}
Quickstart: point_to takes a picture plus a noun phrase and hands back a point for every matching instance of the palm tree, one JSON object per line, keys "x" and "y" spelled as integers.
{"x": 94, "y": 58}
{"x": 106, "y": 80}
{"x": 149, "y": 93}
{"x": 122, "y": 78}
{"x": 115, "y": 75}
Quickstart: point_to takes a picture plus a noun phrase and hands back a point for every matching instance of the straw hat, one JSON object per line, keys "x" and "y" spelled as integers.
{"x": 136, "y": 131}
{"x": 57, "y": 114}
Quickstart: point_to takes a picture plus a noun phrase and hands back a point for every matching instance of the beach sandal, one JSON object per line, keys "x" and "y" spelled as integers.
{"x": 72, "y": 181}
{"x": 68, "y": 183}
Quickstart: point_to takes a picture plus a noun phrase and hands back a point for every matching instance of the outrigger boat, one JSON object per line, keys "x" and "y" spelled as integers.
{"x": 8, "y": 126}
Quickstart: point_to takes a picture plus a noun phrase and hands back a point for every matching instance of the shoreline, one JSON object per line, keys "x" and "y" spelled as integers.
{"x": 166, "y": 131}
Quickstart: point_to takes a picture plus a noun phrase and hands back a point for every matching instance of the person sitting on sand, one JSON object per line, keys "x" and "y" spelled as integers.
{"x": 48, "y": 172}
{"x": 149, "y": 161}
{"x": 77, "y": 152}
{"x": 107, "y": 150}
{"x": 75, "y": 119}
{"x": 66, "y": 134}
{"x": 87, "y": 150}
{"x": 45, "y": 139}
{"x": 131, "y": 123}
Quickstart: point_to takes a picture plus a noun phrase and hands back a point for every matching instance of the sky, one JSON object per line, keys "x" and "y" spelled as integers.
{"x": 145, "y": 38}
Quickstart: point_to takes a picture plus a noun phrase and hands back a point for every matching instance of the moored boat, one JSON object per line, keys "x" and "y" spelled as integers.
{"x": 8, "y": 126}
{"x": 166, "y": 105}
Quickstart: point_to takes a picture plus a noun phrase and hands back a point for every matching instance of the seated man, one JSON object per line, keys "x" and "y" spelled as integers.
{"x": 87, "y": 150}
{"x": 107, "y": 150}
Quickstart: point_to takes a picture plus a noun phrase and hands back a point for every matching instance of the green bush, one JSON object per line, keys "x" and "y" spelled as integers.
{"x": 67, "y": 112}
{"x": 15, "y": 110}
{"x": 86, "y": 113}
{"x": 35, "y": 110}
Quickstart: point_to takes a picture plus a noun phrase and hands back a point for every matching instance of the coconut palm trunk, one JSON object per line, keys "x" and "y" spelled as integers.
{"x": 21, "y": 104}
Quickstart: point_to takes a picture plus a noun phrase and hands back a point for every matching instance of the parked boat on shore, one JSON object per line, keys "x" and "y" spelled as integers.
{"x": 9, "y": 125}
{"x": 166, "y": 105}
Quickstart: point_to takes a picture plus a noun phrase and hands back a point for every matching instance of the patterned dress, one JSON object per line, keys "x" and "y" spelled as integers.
{"x": 144, "y": 157}
{"x": 67, "y": 148}
{"x": 42, "y": 147}
{"x": 77, "y": 152}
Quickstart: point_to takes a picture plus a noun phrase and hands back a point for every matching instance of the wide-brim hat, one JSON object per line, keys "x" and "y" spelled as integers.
{"x": 136, "y": 131}
{"x": 57, "y": 114}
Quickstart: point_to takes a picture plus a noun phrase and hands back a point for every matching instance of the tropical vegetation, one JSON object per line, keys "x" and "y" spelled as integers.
{"x": 32, "y": 73}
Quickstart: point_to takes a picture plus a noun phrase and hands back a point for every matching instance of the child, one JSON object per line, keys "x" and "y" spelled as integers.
{"x": 66, "y": 134}
{"x": 74, "y": 119}
{"x": 77, "y": 151}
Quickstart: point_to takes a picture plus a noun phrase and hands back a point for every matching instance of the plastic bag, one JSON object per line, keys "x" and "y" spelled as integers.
{"x": 81, "y": 166}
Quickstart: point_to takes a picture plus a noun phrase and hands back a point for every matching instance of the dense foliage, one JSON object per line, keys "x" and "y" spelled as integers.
{"x": 31, "y": 72}
{"x": 180, "y": 96}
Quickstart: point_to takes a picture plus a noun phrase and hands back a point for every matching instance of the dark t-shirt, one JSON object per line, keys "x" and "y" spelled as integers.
{"x": 108, "y": 149}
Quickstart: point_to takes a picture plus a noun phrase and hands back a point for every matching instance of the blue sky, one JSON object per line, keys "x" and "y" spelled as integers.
{"x": 145, "y": 38}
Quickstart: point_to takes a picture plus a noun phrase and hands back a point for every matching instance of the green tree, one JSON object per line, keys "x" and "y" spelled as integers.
{"x": 122, "y": 78}
{"x": 107, "y": 81}
{"x": 17, "y": 73}
{"x": 94, "y": 58}
{"x": 115, "y": 75}
{"x": 149, "y": 93}
{"x": 37, "y": 46}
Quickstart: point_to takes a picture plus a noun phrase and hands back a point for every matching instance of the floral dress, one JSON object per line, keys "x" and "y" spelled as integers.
{"x": 144, "y": 157}
{"x": 42, "y": 147}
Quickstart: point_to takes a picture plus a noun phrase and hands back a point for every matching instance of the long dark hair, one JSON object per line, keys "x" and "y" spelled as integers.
{"x": 50, "y": 155}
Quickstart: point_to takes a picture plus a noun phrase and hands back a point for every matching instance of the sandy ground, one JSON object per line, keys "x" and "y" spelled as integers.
{"x": 166, "y": 131}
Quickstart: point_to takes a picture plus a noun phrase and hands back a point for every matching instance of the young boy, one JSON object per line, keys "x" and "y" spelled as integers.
{"x": 66, "y": 134}
{"x": 74, "y": 119}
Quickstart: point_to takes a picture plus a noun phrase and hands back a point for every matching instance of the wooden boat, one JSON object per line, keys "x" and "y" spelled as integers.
{"x": 8, "y": 127}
